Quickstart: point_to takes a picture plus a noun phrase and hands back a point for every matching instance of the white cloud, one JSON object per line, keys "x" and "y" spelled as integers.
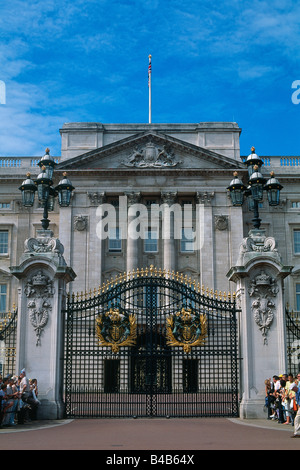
{"x": 87, "y": 59}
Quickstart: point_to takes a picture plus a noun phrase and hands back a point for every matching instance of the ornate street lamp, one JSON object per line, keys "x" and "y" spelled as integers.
{"x": 273, "y": 188}
{"x": 45, "y": 190}
{"x": 64, "y": 190}
{"x": 256, "y": 187}
{"x": 47, "y": 161}
{"x": 237, "y": 190}
{"x": 28, "y": 189}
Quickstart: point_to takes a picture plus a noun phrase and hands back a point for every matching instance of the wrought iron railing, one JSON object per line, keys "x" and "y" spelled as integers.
{"x": 293, "y": 341}
{"x": 8, "y": 341}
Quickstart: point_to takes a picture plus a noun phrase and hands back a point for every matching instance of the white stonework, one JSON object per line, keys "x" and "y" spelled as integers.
{"x": 193, "y": 163}
{"x": 43, "y": 276}
{"x": 259, "y": 276}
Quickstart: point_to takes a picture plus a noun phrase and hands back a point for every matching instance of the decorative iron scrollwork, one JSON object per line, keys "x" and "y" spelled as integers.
{"x": 186, "y": 329}
{"x": 116, "y": 329}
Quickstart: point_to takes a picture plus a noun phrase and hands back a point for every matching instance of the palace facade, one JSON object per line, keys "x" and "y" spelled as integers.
{"x": 149, "y": 194}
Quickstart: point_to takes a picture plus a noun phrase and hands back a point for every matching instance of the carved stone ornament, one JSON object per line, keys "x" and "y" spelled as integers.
{"x": 132, "y": 197}
{"x": 96, "y": 198}
{"x": 262, "y": 244}
{"x": 39, "y": 290}
{"x": 263, "y": 287}
{"x": 221, "y": 222}
{"x": 169, "y": 197}
{"x": 43, "y": 243}
{"x": 151, "y": 157}
{"x": 204, "y": 198}
{"x": 257, "y": 245}
{"x": 80, "y": 223}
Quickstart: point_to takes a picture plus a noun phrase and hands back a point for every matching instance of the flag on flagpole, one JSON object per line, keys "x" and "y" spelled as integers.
{"x": 149, "y": 85}
{"x": 149, "y": 71}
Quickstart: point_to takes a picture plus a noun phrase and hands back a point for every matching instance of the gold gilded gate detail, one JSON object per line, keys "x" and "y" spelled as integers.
{"x": 186, "y": 329}
{"x": 116, "y": 329}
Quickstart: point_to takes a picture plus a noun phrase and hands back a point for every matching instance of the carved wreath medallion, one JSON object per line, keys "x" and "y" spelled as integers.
{"x": 263, "y": 287}
{"x": 39, "y": 290}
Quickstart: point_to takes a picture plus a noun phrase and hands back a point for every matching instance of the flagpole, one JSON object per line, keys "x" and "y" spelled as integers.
{"x": 149, "y": 85}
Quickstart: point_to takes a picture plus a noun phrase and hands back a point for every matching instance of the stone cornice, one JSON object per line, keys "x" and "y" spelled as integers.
{"x": 174, "y": 172}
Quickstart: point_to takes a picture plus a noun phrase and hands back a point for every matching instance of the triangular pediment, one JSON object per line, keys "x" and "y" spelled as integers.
{"x": 150, "y": 150}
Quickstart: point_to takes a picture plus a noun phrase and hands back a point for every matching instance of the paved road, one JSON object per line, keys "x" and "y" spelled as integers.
{"x": 116, "y": 435}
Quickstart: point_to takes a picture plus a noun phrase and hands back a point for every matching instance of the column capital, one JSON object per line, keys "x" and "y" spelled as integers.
{"x": 133, "y": 197}
{"x": 96, "y": 198}
{"x": 204, "y": 197}
{"x": 169, "y": 197}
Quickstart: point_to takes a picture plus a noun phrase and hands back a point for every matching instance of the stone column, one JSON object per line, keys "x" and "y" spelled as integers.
{"x": 171, "y": 221}
{"x": 132, "y": 259}
{"x": 205, "y": 236}
{"x": 43, "y": 276}
{"x": 95, "y": 253}
{"x": 259, "y": 275}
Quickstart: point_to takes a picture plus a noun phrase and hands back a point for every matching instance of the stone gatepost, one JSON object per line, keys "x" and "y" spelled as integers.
{"x": 43, "y": 276}
{"x": 259, "y": 276}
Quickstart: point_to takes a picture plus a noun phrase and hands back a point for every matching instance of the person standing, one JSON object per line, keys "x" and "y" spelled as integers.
{"x": 295, "y": 388}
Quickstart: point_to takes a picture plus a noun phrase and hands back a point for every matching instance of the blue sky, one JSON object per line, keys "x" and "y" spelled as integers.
{"x": 87, "y": 61}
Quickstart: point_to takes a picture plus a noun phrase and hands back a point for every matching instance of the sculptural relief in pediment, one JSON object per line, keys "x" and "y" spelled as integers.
{"x": 151, "y": 156}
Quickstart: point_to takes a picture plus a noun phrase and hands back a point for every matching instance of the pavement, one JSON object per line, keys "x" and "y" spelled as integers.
{"x": 114, "y": 436}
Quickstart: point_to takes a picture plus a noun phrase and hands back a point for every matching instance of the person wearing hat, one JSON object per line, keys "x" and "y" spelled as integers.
{"x": 295, "y": 388}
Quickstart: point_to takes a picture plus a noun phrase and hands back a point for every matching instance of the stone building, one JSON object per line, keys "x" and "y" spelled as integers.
{"x": 156, "y": 196}
{"x": 182, "y": 165}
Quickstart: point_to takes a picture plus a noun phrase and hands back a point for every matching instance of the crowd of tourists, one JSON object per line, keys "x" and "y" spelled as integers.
{"x": 283, "y": 400}
{"x": 18, "y": 399}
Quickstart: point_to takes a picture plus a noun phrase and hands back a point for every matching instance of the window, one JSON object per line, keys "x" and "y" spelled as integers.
{"x": 3, "y": 290}
{"x": 3, "y": 242}
{"x": 114, "y": 240}
{"x": 150, "y": 241}
{"x": 295, "y": 204}
{"x": 187, "y": 240}
{"x": 298, "y": 297}
{"x": 4, "y": 205}
{"x": 297, "y": 241}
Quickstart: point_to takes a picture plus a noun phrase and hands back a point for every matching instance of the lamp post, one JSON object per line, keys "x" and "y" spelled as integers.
{"x": 255, "y": 189}
{"x": 45, "y": 190}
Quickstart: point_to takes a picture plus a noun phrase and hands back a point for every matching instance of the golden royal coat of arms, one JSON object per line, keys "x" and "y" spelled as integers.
{"x": 186, "y": 329}
{"x": 116, "y": 329}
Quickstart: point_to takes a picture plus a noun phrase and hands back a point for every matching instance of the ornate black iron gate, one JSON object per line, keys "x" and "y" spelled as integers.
{"x": 293, "y": 341}
{"x": 151, "y": 343}
{"x": 8, "y": 340}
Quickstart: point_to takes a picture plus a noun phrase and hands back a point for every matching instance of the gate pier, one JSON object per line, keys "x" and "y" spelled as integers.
{"x": 43, "y": 276}
{"x": 259, "y": 275}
